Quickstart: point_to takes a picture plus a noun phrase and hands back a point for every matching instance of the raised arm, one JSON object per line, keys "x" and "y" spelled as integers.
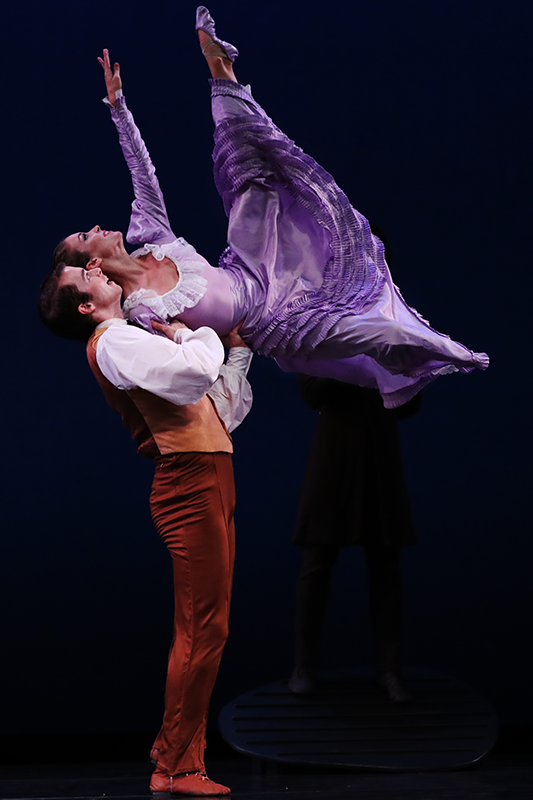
{"x": 149, "y": 219}
{"x": 113, "y": 81}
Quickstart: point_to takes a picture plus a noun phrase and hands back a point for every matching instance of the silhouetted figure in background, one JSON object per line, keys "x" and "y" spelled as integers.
{"x": 353, "y": 493}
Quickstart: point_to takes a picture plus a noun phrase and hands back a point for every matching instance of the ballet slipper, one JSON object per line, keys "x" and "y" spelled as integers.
{"x": 193, "y": 784}
{"x": 206, "y": 23}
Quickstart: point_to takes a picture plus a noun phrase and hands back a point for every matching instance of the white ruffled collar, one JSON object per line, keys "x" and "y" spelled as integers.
{"x": 159, "y": 251}
{"x": 188, "y": 291}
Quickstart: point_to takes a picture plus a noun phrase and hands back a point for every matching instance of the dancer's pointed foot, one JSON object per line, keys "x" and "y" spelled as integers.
{"x": 211, "y": 45}
{"x": 192, "y": 784}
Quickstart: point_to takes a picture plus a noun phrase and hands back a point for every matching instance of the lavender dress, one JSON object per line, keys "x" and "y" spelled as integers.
{"x": 302, "y": 268}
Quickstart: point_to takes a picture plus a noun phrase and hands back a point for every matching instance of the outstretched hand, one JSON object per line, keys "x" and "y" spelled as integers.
{"x": 113, "y": 80}
{"x": 233, "y": 338}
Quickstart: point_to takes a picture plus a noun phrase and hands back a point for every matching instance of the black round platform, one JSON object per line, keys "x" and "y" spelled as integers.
{"x": 350, "y": 722}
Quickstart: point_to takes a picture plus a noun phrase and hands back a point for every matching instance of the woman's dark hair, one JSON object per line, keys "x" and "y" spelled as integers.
{"x": 58, "y": 308}
{"x": 65, "y": 255}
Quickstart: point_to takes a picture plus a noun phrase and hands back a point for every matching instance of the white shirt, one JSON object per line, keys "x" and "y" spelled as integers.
{"x": 182, "y": 371}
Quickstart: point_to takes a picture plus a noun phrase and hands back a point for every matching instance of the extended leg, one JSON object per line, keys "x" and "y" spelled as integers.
{"x": 323, "y": 291}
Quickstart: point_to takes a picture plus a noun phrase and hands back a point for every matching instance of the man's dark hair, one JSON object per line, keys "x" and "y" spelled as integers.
{"x": 58, "y": 308}
{"x": 65, "y": 255}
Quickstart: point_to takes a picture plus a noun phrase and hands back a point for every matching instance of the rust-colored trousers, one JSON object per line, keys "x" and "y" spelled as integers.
{"x": 192, "y": 504}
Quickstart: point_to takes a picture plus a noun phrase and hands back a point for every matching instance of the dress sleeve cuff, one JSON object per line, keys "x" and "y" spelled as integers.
{"x": 105, "y": 100}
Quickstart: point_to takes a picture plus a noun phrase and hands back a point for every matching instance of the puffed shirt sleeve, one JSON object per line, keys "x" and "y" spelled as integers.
{"x": 231, "y": 391}
{"x": 182, "y": 372}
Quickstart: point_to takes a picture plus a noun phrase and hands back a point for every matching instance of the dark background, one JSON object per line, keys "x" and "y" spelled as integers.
{"x": 421, "y": 110}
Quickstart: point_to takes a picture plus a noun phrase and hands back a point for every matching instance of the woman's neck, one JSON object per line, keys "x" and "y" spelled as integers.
{"x": 128, "y": 272}
{"x": 141, "y": 273}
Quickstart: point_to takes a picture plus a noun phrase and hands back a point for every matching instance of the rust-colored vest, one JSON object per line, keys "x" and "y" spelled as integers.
{"x": 176, "y": 429}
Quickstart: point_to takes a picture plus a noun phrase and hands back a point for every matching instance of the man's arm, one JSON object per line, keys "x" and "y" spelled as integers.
{"x": 149, "y": 219}
{"x": 180, "y": 371}
{"x": 231, "y": 392}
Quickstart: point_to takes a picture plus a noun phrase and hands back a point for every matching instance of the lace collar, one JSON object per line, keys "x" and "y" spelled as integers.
{"x": 187, "y": 292}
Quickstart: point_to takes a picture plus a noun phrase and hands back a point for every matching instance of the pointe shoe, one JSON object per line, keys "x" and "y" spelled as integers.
{"x": 393, "y": 686}
{"x": 192, "y": 784}
{"x": 206, "y": 23}
{"x": 302, "y": 680}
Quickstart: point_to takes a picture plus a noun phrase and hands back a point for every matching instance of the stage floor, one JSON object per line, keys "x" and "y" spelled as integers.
{"x": 498, "y": 777}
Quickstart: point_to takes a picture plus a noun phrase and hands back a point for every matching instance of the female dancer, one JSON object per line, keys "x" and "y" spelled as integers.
{"x": 302, "y": 269}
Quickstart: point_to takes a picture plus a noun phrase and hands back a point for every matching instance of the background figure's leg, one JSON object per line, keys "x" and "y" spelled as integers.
{"x": 385, "y": 595}
{"x": 312, "y": 593}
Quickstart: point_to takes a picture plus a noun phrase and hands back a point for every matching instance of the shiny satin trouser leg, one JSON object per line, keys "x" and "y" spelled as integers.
{"x": 192, "y": 504}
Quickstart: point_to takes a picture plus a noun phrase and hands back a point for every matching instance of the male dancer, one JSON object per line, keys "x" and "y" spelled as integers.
{"x": 177, "y": 397}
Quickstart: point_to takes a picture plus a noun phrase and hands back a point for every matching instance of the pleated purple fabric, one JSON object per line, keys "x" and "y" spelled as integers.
{"x": 309, "y": 277}
{"x": 250, "y": 149}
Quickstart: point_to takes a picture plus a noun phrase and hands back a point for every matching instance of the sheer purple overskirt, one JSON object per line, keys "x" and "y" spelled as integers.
{"x": 309, "y": 277}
